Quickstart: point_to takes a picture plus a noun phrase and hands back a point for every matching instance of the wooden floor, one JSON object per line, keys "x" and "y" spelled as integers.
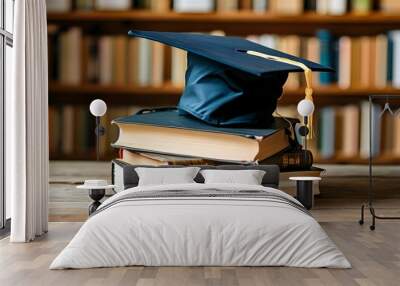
{"x": 375, "y": 256}
{"x": 343, "y": 190}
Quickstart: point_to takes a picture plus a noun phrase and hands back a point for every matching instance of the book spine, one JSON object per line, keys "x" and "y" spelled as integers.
{"x": 260, "y": 5}
{"x": 389, "y": 70}
{"x": 396, "y": 58}
{"x": 327, "y": 132}
{"x": 326, "y": 57}
{"x": 297, "y": 160}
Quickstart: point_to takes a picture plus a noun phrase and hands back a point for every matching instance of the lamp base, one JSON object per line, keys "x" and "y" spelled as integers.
{"x": 96, "y": 195}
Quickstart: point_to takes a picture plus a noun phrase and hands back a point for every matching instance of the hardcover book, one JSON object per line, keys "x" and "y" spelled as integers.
{"x": 165, "y": 131}
{"x": 287, "y": 160}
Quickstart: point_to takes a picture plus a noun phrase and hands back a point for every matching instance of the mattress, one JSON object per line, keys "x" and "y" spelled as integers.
{"x": 201, "y": 225}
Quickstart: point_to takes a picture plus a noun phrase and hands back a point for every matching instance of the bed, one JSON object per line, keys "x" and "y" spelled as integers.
{"x": 198, "y": 224}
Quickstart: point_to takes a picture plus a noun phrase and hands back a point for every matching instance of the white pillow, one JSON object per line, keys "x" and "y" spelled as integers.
{"x": 166, "y": 176}
{"x": 247, "y": 177}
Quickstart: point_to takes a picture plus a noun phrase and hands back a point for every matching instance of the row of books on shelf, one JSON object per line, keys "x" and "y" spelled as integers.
{"x": 340, "y": 131}
{"x": 359, "y": 62}
{"x": 72, "y": 130}
{"x": 74, "y": 58}
{"x": 334, "y": 7}
{"x": 343, "y": 131}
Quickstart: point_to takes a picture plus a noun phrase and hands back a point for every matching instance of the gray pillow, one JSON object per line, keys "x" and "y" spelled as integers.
{"x": 166, "y": 176}
{"x": 247, "y": 177}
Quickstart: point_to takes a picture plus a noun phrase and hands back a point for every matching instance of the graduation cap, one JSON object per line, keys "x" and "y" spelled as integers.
{"x": 230, "y": 80}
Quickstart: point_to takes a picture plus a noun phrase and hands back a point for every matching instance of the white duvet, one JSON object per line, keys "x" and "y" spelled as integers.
{"x": 200, "y": 231}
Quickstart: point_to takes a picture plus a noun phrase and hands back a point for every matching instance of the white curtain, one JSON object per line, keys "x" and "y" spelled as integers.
{"x": 27, "y": 164}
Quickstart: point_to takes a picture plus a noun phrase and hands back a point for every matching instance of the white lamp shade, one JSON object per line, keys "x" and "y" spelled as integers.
{"x": 98, "y": 107}
{"x": 305, "y": 107}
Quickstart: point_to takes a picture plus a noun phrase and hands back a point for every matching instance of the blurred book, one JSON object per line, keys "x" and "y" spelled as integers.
{"x": 113, "y": 4}
{"x": 58, "y": 5}
{"x": 295, "y": 7}
{"x": 85, "y": 4}
{"x": 260, "y": 6}
{"x": 350, "y": 135}
{"x": 327, "y": 56}
{"x": 389, "y": 6}
{"x": 337, "y": 7}
{"x": 145, "y": 62}
{"x": 120, "y": 57}
{"x": 361, "y": 6}
{"x": 157, "y": 68}
{"x": 106, "y": 60}
{"x": 381, "y": 61}
{"x": 68, "y": 130}
{"x": 396, "y": 137}
{"x": 345, "y": 66}
{"x": 193, "y": 6}
{"x": 291, "y": 45}
{"x": 227, "y": 5}
{"x": 322, "y": 6}
{"x": 178, "y": 67}
{"x": 395, "y": 41}
{"x": 69, "y": 56}
{"x": 327, "y": 132}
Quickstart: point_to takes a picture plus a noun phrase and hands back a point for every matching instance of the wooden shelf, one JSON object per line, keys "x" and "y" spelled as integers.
{"x": 241, "y": 22}
{"x": 169, "y": 95}
{"x": 118, "y": 95}
{"x": 83, "y": 156}
{"x": 236, "y": 17}
{"x": 381, "y": 160}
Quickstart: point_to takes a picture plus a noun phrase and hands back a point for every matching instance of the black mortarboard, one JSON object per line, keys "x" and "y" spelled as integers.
{"x": 230, "y": 80}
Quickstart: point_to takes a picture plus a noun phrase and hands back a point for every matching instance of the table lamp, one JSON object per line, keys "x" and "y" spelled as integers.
{"x": 305, "y": 108}
{"x": 98, "y": 108}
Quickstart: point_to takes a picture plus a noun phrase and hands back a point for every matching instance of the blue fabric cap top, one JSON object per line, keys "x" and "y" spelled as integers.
{"x": 224, "y": 85}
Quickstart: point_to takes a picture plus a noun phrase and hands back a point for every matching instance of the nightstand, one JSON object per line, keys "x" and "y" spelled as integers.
{"x": 304, "y": 193}
{"x": 97, "y": 190}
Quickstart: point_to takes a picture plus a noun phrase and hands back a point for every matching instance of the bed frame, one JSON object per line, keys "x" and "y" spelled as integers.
{"x": 124, "y": 175}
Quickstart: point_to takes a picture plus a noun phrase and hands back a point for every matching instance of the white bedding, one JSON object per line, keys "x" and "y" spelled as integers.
{"x": 200, "y": 231}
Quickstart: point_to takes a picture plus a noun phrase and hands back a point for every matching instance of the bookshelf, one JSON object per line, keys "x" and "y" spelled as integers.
{"x": 234, "y": 23}
{"x": 169, "y": 94}
{"x": 235, "y": 18}
{"x": 241, "y": 23}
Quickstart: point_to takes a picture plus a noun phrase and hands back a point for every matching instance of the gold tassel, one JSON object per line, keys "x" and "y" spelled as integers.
{"x": 308, "y": 76}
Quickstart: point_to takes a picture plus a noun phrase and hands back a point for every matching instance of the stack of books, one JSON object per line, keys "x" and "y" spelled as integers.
{"x": 163, "y": 137}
